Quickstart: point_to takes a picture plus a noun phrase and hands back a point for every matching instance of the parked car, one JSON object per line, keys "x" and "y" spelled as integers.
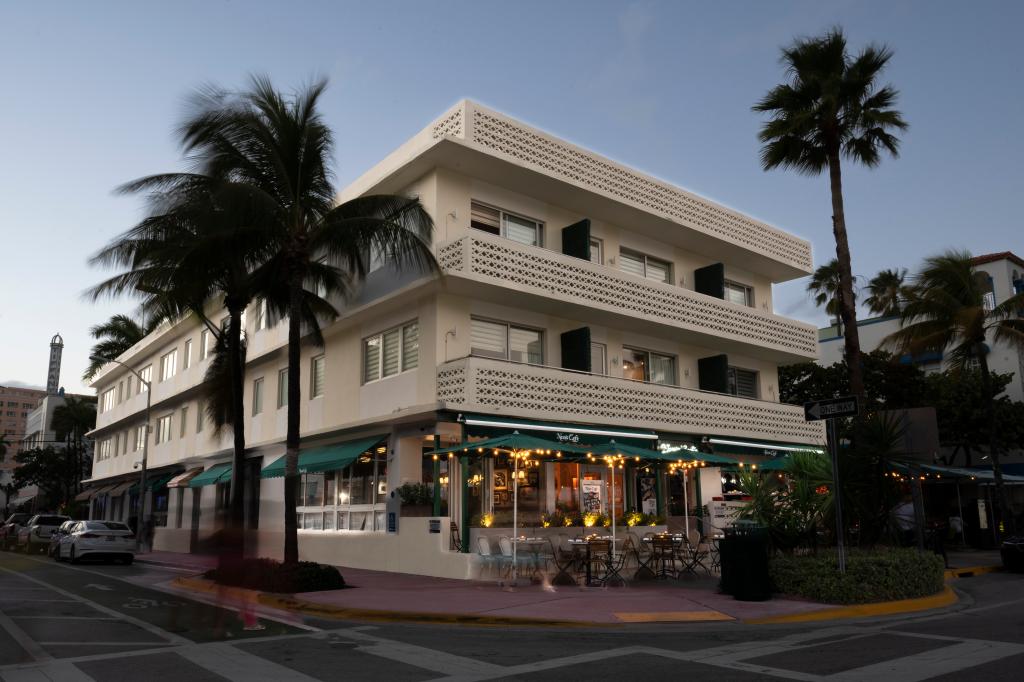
{"x": 56, "y": 535}
{"x": 1013, "y": 553}
{"x": 34, "y": 536}
{"x": 9, "y": 530}
{"x": 97, "y": 540}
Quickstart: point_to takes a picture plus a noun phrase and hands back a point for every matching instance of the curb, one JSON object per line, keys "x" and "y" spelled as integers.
{"x": 292, "y": 604}
{"x": 947, "y": 597}
{"x": 971, "y": 571}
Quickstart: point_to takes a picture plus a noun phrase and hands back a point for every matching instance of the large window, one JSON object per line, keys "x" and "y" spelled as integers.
{"x": 186, "y": 356}
{"x": 508, "y": 225}
{"x": 168, "y": 365}
{"x": 205, "y": 344}
{"x": 645, "y": 365}
{"x": 200, "y": 418}
{"x": 282, "y": 388}
{"x": 104, "y": 449}
{"x": 257, "y": 396}
{"x": 140, "y": 438}
{"x": 107, "y": 399}
{"x": 739, "y": 293}
{"x": 147, "y": 378}
{"x": 506, "y": 341}
{"x": 261, "y": 315}
{"x": 391, "y": 352}
{"x": 742, "y": 382}
{"x": 163, "y": 429}
{"x": 184, "y": 421}
{"x": 317, "y": 368}
{"x": 349, "y": 499}
{"x": 646, "y": 266}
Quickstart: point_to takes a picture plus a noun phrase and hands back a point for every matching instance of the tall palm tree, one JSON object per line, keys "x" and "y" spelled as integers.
{"x": 280, "y": 147}
{"x": 202, "y": 241}
{"x": 113, "y": 338}
{"x": 71, "y": 421}
{"x": 887, "y": 291}
{"x": 832, "y": 108}
{"x": 946, "y": 312}
{"x": 826, "y": 288}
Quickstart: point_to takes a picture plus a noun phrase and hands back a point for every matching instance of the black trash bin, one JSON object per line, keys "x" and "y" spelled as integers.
{"x": 744, "y": 557}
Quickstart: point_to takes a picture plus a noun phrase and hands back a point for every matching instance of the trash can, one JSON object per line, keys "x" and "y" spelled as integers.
{"x": 743, "y": 553}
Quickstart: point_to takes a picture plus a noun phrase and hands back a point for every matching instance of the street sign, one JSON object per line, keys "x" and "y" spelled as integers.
{"x": 830, "y": 409}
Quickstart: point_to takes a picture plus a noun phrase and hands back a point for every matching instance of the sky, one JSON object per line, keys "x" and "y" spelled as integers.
{"x": 92, "y": 93}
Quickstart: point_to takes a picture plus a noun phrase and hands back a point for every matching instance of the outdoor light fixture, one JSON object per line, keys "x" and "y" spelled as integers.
{"x": 765, "y": 446}
{"x": 582, "y": 430}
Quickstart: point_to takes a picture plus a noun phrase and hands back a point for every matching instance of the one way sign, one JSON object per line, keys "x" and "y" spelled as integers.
{"x": 830, "y": 409}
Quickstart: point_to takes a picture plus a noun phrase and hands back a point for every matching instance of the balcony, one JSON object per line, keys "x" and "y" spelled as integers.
{"x": 535, "y": 392}
{"x": 599, "y": 293}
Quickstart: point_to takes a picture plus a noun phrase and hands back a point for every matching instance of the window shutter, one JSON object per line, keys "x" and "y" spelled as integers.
{"x": 714, "y": 373}
{"x": 522, "y": 230}
{"x": 485, "y": 218}
{"x": 319, "y": 365}
{"x": 660, "y": 271}
{"x": 576, "y": 239}
{"x": 392, "y": 341}
{"x": 489, "y": 339}
{"x": 710, "y": 280}
{"x": 371, "y": 359}
{"x": 746, "y": 383}
{"x": 411, "y": 346}
{"x": 576, "y": 349}
{"x": 631, "y": 263}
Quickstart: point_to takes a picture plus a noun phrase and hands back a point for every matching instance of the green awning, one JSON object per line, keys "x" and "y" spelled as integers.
{"x": 218, "y": 473}
{"x": 159, "y": 482}
{"x": 326, "y": 458}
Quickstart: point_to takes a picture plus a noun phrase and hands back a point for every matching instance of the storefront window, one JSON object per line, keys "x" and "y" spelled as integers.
{"x": 348, "y": 499}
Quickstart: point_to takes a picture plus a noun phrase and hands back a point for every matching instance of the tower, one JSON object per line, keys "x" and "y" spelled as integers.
{"x": 53, "y": 373}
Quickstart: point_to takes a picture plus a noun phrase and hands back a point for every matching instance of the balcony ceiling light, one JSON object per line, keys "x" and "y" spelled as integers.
{"x": 574, "y": 429}
{"x": 765, "y": 446}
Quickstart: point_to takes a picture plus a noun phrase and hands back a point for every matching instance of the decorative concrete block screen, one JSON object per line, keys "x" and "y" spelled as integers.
{"x": 531, "y": 148}
{"x": 536, "y": 270}
{"x": 533, "y": 392}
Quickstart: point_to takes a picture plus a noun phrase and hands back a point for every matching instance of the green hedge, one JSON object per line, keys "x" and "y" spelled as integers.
{"x": 871, "y": 576}
{"x": 267, "y": 575}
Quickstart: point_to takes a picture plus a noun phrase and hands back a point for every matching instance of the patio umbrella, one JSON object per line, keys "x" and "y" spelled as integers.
{"x": 518, "y": 445}
{"x": 612, "y": 451}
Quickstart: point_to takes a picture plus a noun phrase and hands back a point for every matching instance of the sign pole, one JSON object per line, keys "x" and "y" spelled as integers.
{"x": 836, "y": 496}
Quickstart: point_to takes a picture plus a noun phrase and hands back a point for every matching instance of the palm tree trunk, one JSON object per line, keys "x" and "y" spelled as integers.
{"x": 1005, "y": 510}
{"x": 236, "y": 373}
{"x": 291, "y": 466}
{"x": 847, "y": 303}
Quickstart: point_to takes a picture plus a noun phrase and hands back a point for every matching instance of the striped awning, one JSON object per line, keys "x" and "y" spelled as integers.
{"x": 182, "y": 480}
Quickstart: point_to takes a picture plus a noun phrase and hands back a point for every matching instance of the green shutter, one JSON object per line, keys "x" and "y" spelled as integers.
{"x": 576, "y": 349}
{"x": 714, "y": 373}
{"x": 710, "y": 280}
{"x": 576, "y": 239}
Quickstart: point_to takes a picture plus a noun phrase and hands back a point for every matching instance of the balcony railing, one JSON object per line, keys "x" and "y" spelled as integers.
{"x": 498, "y": 387}
{"x": 503, "y": 262}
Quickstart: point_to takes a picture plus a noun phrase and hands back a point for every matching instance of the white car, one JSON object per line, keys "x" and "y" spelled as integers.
{"x": 98, "y": 540}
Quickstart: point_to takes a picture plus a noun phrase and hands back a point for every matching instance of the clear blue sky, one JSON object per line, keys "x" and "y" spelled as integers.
{"x": 92, "y": 92}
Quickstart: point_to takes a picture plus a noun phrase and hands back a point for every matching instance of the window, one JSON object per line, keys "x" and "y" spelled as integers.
{"x": 645, "y": 266}
{"x": 163, "y": 429}
{"x": 257, "y": 396}
{"x": 644, "y": 365}
{"x": 184, "y": 421}
{"x": 104, "y": 450}
{"x": 739, "y": 293}
{"x": 498, "y": 222}
{"x": 506, "y": 342}
{"x": 390, "y": 352}
{"x": 140, "y": 437}
{"x": 147, "y": 377}
{"x": 742, "y": 382}
{"x": 168, "y": 365}
{"x": 204, "y": 344}
{"x": 186, "y": 359}
{"x": 200, "y": 417}
{"x": 347, "y": 499}
{"x": 117, "y": 444}
{"x": 282, "y": 388}
{"x": 596, "y": 251}
{"x": 120, "y": 391}
{"x": 261, "y": 315}
{"x": 316, "y": 376}
{"x": 124, "y": 442}
{"x": 598, "y": 358}
{"x": 128, "y": 386}
{"x": 106, "y": 400}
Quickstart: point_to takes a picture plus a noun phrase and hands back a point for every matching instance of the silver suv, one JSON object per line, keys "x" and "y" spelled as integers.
{"x": 34, "y": 536}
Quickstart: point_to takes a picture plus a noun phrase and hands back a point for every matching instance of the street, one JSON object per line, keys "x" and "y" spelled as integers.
{"x": 103, "y": 622}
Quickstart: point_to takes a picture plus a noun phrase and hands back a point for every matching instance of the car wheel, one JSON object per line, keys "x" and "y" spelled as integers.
{"x": 74, "y": 559}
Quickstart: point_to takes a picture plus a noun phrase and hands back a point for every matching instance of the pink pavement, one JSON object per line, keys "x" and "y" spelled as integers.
{"x": 649, "y": 601}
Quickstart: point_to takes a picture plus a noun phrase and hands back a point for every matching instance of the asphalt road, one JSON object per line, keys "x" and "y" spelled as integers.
{"x": 100, "y": 622}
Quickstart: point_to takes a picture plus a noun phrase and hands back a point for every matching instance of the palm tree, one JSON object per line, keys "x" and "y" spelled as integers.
{"x": 831, "y": 108}
{"x": 71, "y": 421}
{"x": 202, "y": 240}
{"x": 280, "y": 147}
{"x": 114, "y": 337}
{"x": 887, "y": 292}
{"x": 827, "y": 290}
{"x": 946, "y": 310}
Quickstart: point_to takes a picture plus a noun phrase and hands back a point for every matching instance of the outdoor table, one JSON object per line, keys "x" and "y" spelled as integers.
{"x": 677, "y": 543}
{"x": 585, "y": 542}
{"x": 533, "y": 546}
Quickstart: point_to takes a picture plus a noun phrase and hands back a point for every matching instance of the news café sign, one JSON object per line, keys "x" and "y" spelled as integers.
{"x": 563, "y": 437}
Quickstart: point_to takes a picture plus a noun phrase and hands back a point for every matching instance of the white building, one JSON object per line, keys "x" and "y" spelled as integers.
{"x": 1004, "y": 277}
{"x": 576, "y": 296}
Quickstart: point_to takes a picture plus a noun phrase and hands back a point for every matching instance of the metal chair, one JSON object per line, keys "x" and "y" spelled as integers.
{"x": 456, "y": 537}
{"x": 487, "y": 557}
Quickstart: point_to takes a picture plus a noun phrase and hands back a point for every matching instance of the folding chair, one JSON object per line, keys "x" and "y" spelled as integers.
{"x": 456, "y": 537}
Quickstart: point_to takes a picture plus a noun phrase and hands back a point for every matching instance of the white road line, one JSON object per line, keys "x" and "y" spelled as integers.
{"x": 22, "y": 638}
{"x": 152, "y": 629}
{"x": 932, "y": 663}
{"x": 64, "y": 618}
{"x": 422, "y": 657}
{"x": 56, "y": 671}
{"x": 233, "y": 663}
{"x": 90, "y": 643}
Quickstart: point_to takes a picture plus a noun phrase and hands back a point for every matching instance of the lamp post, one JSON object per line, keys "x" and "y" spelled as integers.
{"x": 140, "y": 503}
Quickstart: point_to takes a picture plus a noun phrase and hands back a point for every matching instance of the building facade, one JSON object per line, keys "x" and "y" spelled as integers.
{"x": 1002, "y": 274}
{"x": 576, "y": 299}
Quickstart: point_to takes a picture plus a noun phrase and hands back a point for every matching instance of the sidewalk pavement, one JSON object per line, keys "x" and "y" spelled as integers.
{"x": 971, "y": 558}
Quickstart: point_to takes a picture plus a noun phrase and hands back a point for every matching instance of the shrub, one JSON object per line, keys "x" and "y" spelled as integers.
{"x": 416, "y": 494}
{"x": 876, "y": 575}
{"x": 268, "y": 575}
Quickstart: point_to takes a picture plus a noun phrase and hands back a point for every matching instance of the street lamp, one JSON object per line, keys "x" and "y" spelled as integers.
{"x": 140, "y": 502}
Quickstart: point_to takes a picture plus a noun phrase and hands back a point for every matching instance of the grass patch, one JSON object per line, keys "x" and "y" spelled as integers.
{"x": 871, "y": 576}
{"x": 268, "y": 575}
